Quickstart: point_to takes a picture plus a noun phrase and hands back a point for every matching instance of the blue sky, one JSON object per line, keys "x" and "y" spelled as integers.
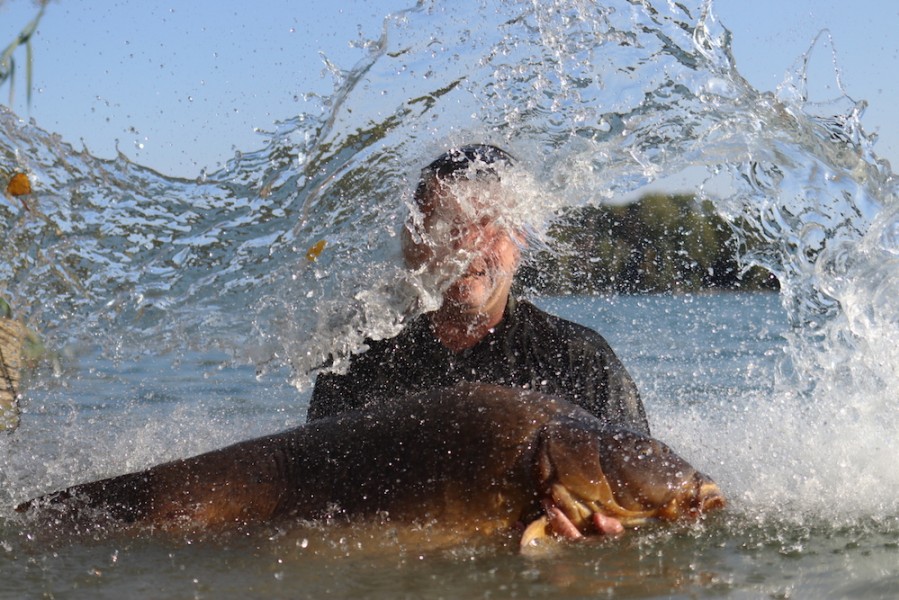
{"x": 180, "y": 86}
{"x": 770, "y": 35}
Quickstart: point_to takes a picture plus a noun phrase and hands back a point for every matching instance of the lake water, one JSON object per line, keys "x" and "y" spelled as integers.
{"x": 701, "y": 361}
{"x": 189, "y": 313}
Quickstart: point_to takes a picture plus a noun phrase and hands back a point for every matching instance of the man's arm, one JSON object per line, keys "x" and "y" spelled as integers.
{"x": 620, "y": 401}
{"x": 336, "y": 393}
{"x": 577, "y": 363}
{"x": 329, "y": 397}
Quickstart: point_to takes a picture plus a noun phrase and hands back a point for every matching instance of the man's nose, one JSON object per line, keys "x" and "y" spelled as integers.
{"x": 477, "y": 236}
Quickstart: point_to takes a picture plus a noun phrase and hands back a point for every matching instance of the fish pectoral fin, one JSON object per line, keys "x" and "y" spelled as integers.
{"x": 554, "y": 522}
{"x": 536, "y": 531}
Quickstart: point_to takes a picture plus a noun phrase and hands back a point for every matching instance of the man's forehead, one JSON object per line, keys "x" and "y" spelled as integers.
{"x": 467, "y": 199}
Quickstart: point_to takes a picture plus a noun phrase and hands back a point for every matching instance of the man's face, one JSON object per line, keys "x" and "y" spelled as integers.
{"x": 462, "y": 226}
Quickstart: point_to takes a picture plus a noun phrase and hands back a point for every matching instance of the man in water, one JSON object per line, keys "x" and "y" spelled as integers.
{"x": 481, "y": 332}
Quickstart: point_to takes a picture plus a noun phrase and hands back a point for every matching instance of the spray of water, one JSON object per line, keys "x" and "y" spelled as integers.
{"x": 291, "y": 253}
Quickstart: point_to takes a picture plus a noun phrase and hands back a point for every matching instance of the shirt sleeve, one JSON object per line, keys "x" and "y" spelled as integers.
{"x": 388, "y": 369}
{"x": 605, "y": 387}
{"x": 330, "y": 396}
{"x": 578, "y": 364}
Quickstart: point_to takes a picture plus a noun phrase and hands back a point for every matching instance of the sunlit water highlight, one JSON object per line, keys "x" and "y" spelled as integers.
{"x": 595, "y": 101}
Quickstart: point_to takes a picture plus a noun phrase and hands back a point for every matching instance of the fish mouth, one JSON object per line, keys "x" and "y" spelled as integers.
{"x": 710, "y": 498}
{"x": 568, "y": 516}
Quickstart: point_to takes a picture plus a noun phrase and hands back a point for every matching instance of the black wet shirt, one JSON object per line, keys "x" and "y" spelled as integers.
{"x": 529, "y": 349}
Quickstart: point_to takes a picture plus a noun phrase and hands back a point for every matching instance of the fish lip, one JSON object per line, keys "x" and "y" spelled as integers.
{"x": 710, "y": 497}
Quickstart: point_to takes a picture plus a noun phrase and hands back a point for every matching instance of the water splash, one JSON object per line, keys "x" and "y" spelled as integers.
{"x": 595, "y": 101}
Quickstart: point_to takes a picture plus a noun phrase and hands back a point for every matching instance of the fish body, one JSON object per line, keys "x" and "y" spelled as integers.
{"x": 476, "y": 458}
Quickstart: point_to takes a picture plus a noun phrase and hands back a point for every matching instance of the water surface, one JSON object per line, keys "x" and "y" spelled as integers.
{"x": 700, "y": 361}
{"x": 190, "y": 316}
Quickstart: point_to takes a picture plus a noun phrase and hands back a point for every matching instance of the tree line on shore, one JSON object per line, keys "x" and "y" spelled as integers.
{"x": 659, "y": 243}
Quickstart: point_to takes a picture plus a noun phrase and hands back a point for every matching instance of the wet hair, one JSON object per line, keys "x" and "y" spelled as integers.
{"x": 472, "y": 159}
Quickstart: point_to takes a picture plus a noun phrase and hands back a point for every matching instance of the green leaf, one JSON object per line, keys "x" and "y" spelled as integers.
{"x": 29, "y": 58}
{"x": 7, "y": 61}
{"x": 12, "y": 80}
{"x": 5, "y": 310}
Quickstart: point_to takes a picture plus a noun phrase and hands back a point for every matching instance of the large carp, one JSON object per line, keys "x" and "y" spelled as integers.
{"x": 474, "y": 458}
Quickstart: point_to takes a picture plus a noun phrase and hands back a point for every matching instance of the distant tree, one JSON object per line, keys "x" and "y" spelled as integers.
{"x": 660, "y": 243}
